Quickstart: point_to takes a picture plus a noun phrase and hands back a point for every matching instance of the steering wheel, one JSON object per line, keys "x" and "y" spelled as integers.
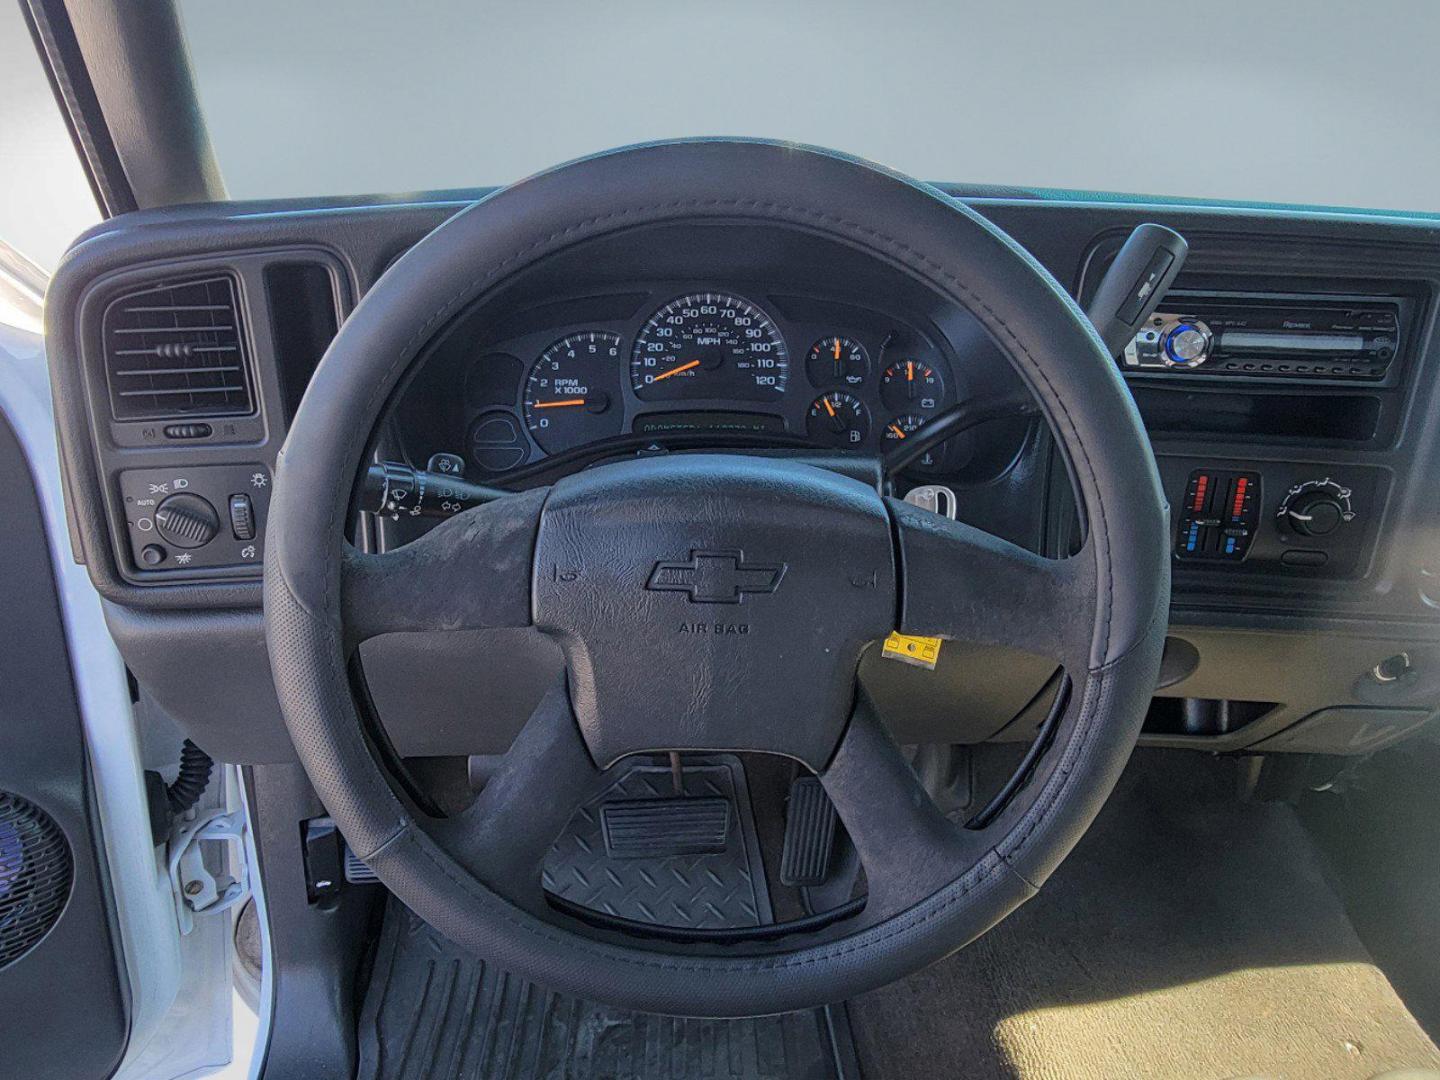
{"x": 754, "y": 584}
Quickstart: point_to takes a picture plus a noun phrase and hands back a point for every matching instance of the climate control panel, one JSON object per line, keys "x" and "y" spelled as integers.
{"x": 179, "y": 521}
{"x": 1292, "y": 518}
{"x": 1218, "y": 516}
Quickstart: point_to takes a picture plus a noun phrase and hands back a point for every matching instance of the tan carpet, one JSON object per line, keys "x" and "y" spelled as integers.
{"x": 1189, "y": 936}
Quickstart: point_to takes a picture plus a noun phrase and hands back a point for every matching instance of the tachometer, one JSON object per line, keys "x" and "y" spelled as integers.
{"x": 570, "y": 396}
{"x": 709, "y": 345}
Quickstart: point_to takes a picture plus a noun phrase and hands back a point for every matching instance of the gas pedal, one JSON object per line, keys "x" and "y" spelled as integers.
{"x": 809, "y": 834}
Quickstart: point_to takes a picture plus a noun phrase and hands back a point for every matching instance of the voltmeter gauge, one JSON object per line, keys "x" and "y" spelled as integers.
{"x": 912, "y": 386}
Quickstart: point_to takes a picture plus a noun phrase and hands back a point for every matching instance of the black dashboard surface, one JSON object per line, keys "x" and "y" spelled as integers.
{"x": 622, "y": 348}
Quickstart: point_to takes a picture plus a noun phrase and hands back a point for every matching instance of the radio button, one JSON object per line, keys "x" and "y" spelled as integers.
{"x": 1187, "y": 344}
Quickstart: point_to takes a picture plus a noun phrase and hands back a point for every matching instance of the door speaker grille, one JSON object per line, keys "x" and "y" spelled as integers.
{"x": 35, "y": 876}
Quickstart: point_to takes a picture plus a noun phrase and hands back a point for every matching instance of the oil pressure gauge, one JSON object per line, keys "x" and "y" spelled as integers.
{"x": 837, "y": 361}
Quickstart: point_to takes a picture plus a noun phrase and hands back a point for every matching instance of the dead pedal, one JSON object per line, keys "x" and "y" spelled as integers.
{"x": 656, "y": 828}
{"x": 809, "y": 834}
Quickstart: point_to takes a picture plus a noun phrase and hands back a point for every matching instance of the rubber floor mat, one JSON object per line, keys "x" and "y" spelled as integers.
{"x": 435, "y": 1012}
{"x": 709, "y": 891}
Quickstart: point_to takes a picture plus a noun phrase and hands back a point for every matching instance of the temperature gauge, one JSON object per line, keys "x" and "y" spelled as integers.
{"x": 947, "y": 457}
{"x": 911, "y": 385}
{"x": 838, "y": 419}
{"x": 837, "y": 361}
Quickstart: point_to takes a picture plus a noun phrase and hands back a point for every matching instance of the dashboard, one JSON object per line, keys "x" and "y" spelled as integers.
{"x": 707, "y": 359}
{"x": 788, "y": 344}
{"x": 1289, "y": 388}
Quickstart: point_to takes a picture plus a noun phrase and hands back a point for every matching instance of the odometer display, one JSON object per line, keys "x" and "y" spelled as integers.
{"x": 709, "y": 345}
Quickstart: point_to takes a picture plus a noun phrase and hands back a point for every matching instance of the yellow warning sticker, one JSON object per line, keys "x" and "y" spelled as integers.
{"x": 920, "y": 651}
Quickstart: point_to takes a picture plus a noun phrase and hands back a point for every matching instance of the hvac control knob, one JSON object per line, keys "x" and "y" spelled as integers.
{"x": 1316, "y": 515}
{"x": 186, "y": 520}
{"x": 1316, "y": 507}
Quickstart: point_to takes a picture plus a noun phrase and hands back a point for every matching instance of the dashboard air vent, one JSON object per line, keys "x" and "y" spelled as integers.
{"x": 177, "y": 350}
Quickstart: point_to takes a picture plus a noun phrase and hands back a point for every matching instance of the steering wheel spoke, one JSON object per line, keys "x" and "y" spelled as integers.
{"x": 546, "y": 775}
{"x": 959, "y": 582}
{"x": 907, "y": 847}
{"x": 470, "y": 572}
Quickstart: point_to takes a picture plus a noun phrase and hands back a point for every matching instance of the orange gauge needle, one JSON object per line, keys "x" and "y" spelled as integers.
{"x": 837, "y": 348}
{"x": 828, "y": 407}
{"x": 677, "y": 370}
{"x": 910, "y": 370}
{"x": 568, "y": 403}
{"x": 896, "y": 429}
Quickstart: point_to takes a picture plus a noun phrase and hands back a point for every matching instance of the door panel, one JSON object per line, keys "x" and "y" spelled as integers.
{"x": 63, "y": 1006}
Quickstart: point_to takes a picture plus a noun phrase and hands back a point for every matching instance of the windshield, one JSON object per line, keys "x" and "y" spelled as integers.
{"x": 1323, "y": 103}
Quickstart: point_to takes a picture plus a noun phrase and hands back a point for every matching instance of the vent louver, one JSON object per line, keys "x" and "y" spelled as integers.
{"x": 177, "y": 350}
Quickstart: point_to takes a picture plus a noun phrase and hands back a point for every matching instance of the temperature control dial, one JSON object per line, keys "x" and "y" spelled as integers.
{"x": 1316, "y": 507}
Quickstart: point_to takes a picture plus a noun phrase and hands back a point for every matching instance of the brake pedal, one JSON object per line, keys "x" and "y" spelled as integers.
{"x": 809, "y": 834}
{"x": 655, "y": 828}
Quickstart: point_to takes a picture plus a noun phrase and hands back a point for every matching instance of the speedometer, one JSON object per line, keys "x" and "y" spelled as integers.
{"x": 709, "y": 345}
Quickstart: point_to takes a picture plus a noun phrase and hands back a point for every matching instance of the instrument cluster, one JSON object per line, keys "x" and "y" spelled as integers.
{"x": 836, "y": 375}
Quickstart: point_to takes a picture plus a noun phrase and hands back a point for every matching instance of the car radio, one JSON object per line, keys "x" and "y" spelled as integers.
{"x": 1269, "y": 336}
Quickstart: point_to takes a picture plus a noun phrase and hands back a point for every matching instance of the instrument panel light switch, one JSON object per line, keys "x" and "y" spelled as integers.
{"x": 242, "y": 517}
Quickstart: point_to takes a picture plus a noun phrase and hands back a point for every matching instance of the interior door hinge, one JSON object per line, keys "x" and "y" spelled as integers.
{"x": 198, "y": 890}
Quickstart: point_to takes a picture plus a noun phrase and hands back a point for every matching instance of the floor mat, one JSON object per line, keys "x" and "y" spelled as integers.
{"x": 1382, "y": 831}
{"x": 696, "y": 891}
{"x": 434, "y": 1012}
{"x": 1188, "y": 936}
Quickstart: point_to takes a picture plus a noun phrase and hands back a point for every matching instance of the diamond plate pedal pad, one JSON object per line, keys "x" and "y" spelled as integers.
{"x": 656, "y": 828}
{"x": 809, "y": 834}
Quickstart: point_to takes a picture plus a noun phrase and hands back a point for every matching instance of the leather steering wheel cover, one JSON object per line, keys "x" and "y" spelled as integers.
{"x": 937, "y": 240}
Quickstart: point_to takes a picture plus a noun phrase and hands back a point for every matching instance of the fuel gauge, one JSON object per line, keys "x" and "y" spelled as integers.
{"x": 838, "y": 419}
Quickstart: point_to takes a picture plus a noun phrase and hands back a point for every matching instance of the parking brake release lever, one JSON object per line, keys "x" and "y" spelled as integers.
{"x": 1128, "y": 294}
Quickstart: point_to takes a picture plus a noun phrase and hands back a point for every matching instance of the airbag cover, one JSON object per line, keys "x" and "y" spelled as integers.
{"x": 709, "y": 602}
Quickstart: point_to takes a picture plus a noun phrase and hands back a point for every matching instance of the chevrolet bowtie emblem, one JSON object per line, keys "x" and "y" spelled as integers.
{"x": 716, "y": 577}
